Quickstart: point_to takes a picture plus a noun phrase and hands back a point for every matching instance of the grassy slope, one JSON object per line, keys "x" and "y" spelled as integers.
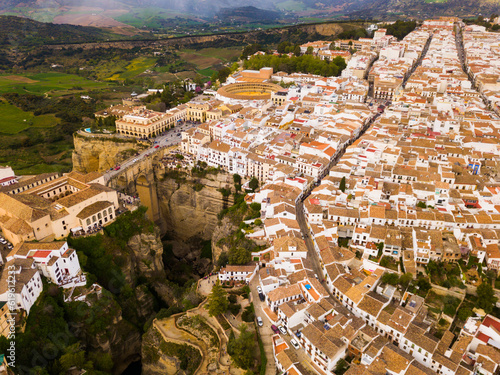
{"x": 15, "y": 120}
{"x": 51, "y": 83}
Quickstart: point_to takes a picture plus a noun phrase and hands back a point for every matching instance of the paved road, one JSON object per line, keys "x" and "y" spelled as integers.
{"x": 312, "y": 255}
{"x": 265, "y": 331}
{"x": 167, "y": 139}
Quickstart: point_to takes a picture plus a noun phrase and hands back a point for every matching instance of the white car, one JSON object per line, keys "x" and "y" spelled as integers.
{"x": 294, "y": 343}
{"x": 259, "y": 321}
{"x": 283, "y": 330}
{"x": 259, "y": 289}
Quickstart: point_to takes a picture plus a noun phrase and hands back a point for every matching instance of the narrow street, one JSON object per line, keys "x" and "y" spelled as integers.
{"x": 299, "y": 206}
{"x": 461, "y": 56}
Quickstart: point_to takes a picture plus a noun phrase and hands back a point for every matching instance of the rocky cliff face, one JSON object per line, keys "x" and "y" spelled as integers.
{"x": 98, "y": 153}
{"x": 190, "y": 206}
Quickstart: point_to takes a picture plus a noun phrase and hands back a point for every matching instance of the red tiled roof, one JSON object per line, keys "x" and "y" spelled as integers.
{"x": 41, "y": 254}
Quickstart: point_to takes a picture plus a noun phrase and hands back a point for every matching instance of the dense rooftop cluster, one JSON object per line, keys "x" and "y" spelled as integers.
{"x": 419, "y": 185}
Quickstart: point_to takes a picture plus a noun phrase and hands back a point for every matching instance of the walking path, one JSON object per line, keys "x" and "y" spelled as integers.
{"x": 170, "y": 331}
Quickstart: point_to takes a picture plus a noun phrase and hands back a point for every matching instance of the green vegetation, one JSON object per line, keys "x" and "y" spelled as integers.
{"x": 263, "y": 357}
{"x": 240, "y": 247}
{"x": 447, "y": 303}
{"x": 400, "y": 29}
{"x": 15, "y": 120}
{"x": 248, "y": 315}
{"x": 342, "y": 185}
{"x": 389, "y": 262}
{"x": 43, "y": 143}
{"x": 26, "y": 32}
{"x": 302, "y": 64}
{"x": 341, "y": 367}
{"x": 242, "y": 349}
{"x": 353, "y": 34}
{"x": 51, "y": 328}
{"x": 217, "y": 301}
{"x": 190, "y": 358}
{"x": 444, "y": 274}
{"x": 486, "y": 299}
{"x": 51, "y": 83}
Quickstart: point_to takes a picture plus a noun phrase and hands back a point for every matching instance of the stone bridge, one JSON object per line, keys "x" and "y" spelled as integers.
{"x": 139, "y": 178}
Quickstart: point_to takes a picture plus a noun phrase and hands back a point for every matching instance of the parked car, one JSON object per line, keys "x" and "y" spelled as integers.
{"x": 157, "y": 146}
{"x": 259, "y": 289}
{"x": 294, "y": 343}
{"x": 117, "y": 168}
{"x": 259, "y": 321}
{"x": 275, "y": 329}
{"x": 262, "y": 297}
{"x": 283, "y": 330}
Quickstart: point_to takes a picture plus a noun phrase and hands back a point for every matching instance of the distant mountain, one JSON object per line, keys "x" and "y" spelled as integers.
{"x": 422, "y": 8}
{"x": 16, "y": 31}
{"x": 382, "y": 9}
{"x": 247, "y": 14}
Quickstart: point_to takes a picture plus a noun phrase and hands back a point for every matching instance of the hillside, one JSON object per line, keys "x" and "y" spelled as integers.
{"x": 247, "y": 14}
{"x": 17, "y": 31}
{"x": 104, "y": 13}
{"x": 384, "y": 9}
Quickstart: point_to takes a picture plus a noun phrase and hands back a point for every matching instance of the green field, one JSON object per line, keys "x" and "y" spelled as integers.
{"x": 147, "y": 17}
{"x": 208, "y": 60}
{"x": 15, "y": 120}
{"x": 119, "y": 70}
{"x": 52, "y": 83}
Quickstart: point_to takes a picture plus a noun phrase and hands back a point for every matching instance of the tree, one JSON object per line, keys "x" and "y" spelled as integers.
{"x": 486, "y": 297}
{"x": 243, "y": 348}
{"x": 253, "y": 184}
{"x": 223, "y": 74}
{"x": 217, "y": 301}
{"x": 421, "y": 204}
{"x": 236, "y": 178}
{"x": 390, "y": 278}
{"x": 340, "y": 367}
{"x": 464, "y": 313}
{"x": 309, "y": 51}
{"x": 296, "y": 50}
{"x": 342, "y": 185}
{"x": 405, "y": 280}
{"x": 239, "y": 255}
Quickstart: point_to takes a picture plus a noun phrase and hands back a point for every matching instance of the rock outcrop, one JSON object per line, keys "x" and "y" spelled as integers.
{"x": 99, "y": 153}
{"x": 224, "y": 228}
{"x": 190, "y": 207}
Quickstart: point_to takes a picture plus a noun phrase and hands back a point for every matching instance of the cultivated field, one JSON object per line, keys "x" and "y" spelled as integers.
{"x": 56, "y": 84}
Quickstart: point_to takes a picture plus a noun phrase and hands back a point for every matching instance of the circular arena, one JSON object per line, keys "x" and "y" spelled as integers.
{"x": 249, "y": 90}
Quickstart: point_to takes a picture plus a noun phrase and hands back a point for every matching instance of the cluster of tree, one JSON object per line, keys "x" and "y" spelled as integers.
{"x": 17, "y": 31}
{"x": 302, "y": 64}
{"x": 60, "y": 335}
{"x": 486, "y": 298}
{"x": 481, "y": 21}
{"x": 287, "y": 47}
{"x": 354, "y": 33}
{"x": 242, "y": 349}
{"x": 394, "y": 279}
{"x": 62, "y": 329}
{"x": 400, "y": 28}
{"x": 70, "y": 109}
{"x": 250, "y": 49}
{"x": 105, "y": 122}
{"x": 174, "y": 93}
